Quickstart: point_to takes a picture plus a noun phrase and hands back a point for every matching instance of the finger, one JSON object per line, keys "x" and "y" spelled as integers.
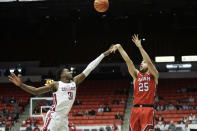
{"x": 19, "y": 75}
{"x": 111, "y": 48}
{"x": 114, "y": 52}
{"x": 10, "y": 78}
{"x": 13, "y": 75}
{"x": 133, "y": 37}
{"x": 136, "y": 36}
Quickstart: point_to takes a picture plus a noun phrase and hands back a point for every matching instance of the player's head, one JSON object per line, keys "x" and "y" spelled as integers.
{"x": 143, "y": 67}
{"x": 64, "y": 74}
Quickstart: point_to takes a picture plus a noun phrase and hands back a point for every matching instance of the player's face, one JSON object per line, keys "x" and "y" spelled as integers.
{"x": 67, "y": 74}
{"x": 143, "y": 67}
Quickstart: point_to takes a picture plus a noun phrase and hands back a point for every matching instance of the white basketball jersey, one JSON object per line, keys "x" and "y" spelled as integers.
{"x": 64, "y": 97}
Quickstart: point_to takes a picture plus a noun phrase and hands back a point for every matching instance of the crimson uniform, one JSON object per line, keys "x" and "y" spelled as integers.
{"x": 144, "y": 97}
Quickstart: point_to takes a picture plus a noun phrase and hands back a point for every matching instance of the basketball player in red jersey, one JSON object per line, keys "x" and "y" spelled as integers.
{"x": 145, "y": 81}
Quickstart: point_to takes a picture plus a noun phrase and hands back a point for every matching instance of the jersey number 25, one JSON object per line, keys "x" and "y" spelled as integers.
{"x": 143, "y": 86}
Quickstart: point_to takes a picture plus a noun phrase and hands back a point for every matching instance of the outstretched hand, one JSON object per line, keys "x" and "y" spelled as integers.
{"x": 136, "y": 40}
{"x": 109, "y": 51}
{"x": 115, "y": 47}
{"x": 15, "y": 79}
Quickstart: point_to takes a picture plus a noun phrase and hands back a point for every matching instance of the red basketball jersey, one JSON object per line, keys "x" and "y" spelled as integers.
{"x": 144, "y": 89}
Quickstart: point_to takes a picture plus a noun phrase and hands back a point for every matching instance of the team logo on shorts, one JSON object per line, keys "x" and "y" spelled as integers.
{"x": 149, "y": 128}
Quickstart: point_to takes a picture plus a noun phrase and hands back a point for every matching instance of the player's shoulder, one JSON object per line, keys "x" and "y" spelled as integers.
{"x": 153, "y": 78}
{"x": 55, "y": 83}
{"x": 136, "y": 74}
{"x": 73, "y": 82}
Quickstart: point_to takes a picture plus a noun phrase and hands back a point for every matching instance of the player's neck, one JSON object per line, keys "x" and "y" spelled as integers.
{"x": 144, "y": 72}
{"x": 65, "y": 80}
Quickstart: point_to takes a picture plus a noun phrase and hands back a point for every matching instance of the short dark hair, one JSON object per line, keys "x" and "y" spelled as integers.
{"x": 59, "y": 72}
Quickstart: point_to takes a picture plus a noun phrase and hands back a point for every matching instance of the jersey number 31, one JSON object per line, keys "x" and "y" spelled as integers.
{"x": 143, "y": 86}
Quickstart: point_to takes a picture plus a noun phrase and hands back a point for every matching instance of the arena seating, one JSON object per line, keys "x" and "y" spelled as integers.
{"x": 92, "y": 94}
{"x": 171, "y": 90}
{"x": 96, "y": 93}
{"x": 9, "y": 91}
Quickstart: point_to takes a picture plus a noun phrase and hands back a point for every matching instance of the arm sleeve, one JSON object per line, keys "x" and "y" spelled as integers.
{"x": 93, "y": 65}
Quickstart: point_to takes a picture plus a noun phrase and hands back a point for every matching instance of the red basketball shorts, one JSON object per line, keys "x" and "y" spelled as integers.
{"x": 142, "y": 119}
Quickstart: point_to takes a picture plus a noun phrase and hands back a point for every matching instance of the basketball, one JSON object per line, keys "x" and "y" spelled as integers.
{"x": 101, "y": 5}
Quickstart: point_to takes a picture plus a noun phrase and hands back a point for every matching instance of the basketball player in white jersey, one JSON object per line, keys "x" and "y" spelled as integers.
{"x": 64, "y": 94}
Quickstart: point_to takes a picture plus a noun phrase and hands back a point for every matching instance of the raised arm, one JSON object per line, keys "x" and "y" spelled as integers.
{"x": 81, "y": 77}
{"x": 30, "y": 89}
{"x": 146, "y": 57}
{"x": 131, "y": 67}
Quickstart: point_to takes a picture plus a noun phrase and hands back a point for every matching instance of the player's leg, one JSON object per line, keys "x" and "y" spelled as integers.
{"x": 147, "y": 119}
{"x": 134, "y": 120}
{"x": 47, "y": 120}
{"x": 49, "y": 123}
{"x": 63, "y": 128}
{"x": 64, "y": 125}
{"x": 53, "y": 126}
